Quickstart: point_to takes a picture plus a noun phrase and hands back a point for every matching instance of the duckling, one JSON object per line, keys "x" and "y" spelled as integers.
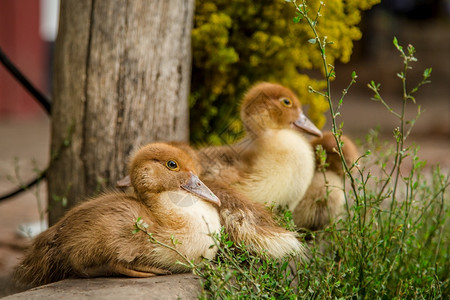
{"x": 95, "y": 238}
{"x": 245, "y": 221}
{"x": 325, "y": 199}
{"x": 274, "y": 162}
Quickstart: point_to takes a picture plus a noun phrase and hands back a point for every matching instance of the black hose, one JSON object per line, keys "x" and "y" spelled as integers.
{"x": 24, "y": 187}
{"x": 41, "y": 98}
{"x": 43, "y": 101}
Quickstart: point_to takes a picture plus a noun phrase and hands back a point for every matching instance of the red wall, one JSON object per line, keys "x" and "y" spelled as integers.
{"x": 20, "y": 40}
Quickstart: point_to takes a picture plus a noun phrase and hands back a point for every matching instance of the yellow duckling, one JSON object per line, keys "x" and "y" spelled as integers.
{"x": 274, "y": 163}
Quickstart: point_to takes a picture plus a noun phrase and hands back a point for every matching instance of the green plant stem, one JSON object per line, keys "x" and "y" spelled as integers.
{"x": 233, "y": 262}
{"x": 312, "y": 25}
{"x": 337, "y": 137}
{"x": 400, "y": 142}
{"x": 190, "y": 264}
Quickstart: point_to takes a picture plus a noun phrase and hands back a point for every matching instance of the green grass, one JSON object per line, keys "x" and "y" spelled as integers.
{"x": 388, "y": 245}
{"x": 379, "y": 250}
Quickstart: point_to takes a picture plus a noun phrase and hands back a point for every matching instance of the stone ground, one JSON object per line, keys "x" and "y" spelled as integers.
{"x": 25, "y": 147}
{"x": 180, "y": 286}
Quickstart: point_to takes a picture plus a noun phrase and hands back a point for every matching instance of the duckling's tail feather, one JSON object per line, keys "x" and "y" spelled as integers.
{"x": 40, "y": 265}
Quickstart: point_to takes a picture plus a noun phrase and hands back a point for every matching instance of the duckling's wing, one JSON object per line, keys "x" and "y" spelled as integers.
{"x": 220, "y": 162}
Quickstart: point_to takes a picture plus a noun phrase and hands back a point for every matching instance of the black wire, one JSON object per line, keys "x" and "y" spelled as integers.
{"x": 41, "y": 98}
{"x": 25, "y": 187}
{"x": 44, "y": 101}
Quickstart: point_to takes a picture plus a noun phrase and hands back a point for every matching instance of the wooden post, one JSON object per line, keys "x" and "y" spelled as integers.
{"x": 121, "y": 80}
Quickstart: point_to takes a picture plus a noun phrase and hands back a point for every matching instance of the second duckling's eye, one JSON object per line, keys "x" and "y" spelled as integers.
{"x": 172, "y": 165}
{"x": 286, "y": 102}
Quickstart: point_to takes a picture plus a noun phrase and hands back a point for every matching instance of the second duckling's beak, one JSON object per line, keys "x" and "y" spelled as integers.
{"x": 197, "y": 187}
{"x": 305, "y": 124}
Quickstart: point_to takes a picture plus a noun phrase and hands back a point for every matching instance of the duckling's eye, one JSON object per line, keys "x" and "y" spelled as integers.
{"x": 172, "y": 165}
{"x": 286, "y": 102}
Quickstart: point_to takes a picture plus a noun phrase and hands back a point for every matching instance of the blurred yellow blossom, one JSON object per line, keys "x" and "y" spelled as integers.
{"x": 238, "y": 43}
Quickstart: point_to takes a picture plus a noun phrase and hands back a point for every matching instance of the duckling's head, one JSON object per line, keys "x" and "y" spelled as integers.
{"x": 160, "y": 167}
{"x": 273, "y": 106}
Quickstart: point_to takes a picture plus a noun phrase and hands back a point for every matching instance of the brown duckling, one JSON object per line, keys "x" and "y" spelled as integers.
{"x": 95, "y": 238}
{"x": 245, "y": 221}
{"x": 274, "y": 162}
{"x": 325, "y": 199}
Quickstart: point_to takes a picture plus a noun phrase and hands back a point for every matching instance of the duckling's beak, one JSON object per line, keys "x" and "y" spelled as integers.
{"x": 197, "y": 187}
{"x": 305, "y": 124}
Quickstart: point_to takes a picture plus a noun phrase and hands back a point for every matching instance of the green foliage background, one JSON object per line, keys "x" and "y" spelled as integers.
{"x": 238, "y": 43}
